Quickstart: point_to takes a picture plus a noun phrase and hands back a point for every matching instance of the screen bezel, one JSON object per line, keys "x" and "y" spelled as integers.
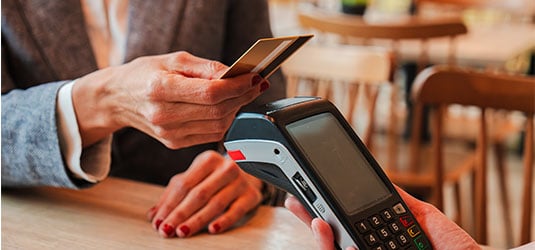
{"x": 299, "y": 111}
{"x": 357, "y": 188}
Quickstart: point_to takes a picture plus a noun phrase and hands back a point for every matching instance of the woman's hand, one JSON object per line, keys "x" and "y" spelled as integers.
{"x": 441, "y": 231}
{"x": 176, "y": 98}
{"x": 213, "y": 192}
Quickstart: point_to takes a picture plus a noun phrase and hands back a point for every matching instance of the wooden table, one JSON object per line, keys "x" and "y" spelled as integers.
{"x": 111, "y": 215}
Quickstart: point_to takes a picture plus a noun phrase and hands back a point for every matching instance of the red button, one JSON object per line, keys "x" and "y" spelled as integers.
{"x": 236, "y": 155}
{"x": 406, "y": 220}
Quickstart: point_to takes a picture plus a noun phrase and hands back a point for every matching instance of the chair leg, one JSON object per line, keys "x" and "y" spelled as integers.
{"x": 481, "y": 183}
{"x": 353, "y": 91}
{"x": 291, "y": 86}
{"x": 527, "y": 202}
{"x": 324, "y": 89}
{"x": 457, "y": 193}
{"x": 499, "y": 152}
{"x": 373, "y": 94}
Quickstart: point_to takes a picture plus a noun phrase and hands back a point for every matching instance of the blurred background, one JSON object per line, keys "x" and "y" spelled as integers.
{"x": 365, "y": 57}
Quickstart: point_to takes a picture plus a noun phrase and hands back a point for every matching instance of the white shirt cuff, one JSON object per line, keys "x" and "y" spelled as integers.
{"x": 92, "y": 163}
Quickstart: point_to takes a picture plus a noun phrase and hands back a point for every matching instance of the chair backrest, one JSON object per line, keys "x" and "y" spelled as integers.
{"x": 440, "y": 86}
{"x": 345, "y": 63}
{"x": 340, "y": 66}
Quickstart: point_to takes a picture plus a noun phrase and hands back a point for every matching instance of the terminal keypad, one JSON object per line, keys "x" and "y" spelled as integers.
{"x": 393, "y": 228}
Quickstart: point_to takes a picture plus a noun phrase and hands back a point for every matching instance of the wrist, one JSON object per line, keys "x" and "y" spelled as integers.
{"x": 93, "y": 108}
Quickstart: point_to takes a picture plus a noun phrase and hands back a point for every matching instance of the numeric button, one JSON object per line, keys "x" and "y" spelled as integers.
{"x": 387, "y": 215}
{"x": 363, "y": 226}
{"x": 394, "y": 227}
{"x": 402, "y": 239}
{"x": 392, "y": 245}
{"x": 371, "y": 239}
{"x": 383, "y": 233}
{"x": 376, "y": 221}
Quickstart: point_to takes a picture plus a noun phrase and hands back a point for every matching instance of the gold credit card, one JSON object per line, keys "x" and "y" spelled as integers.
{"x": 266, "y": 56}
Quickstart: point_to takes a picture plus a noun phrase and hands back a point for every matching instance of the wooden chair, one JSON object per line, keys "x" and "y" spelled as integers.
{"x": 347, "y": 66}
{"x": 444, "y": 86}
{"x": 350, "y": 27}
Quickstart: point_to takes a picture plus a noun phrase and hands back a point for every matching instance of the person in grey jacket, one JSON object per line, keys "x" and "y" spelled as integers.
{"x": 131, "y": 89}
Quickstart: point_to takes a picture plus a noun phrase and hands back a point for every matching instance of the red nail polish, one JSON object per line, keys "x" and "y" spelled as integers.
{"x": 168, "y": 230}
{"x": 217, "y": 228}
{"x": 158, "y": 222}
{"x": 185, "y": 230}
{"x": 264, "y": 86}
{"x": 256, "y": 80}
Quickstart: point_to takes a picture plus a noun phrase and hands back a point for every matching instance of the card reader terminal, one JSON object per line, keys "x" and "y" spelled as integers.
{"x": 305, "y": 146}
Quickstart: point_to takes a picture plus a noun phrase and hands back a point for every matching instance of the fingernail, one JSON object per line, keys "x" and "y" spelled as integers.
{"x": 217, "y": 228}
{"x": 256, "y": 80}
{"x": 185, "y": 230}
{"x": 168, "y": 230}
{"x": 264, "y": 86}
{"x": 158, "y": 222}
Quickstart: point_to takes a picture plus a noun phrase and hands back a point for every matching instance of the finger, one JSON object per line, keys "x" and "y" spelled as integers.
{"x": 202, "y": 192}
{"x": 323, "y": 234}
{"x": 199, "y": 196}
{"x": 174, "y": 116}
{"x": 151, "y": 213}
{"x": 292, "y": 204}
{"x": 179, "y": 88}
{"x": 416, "y": 206}
{"x": 189, "y": 65}
{"x": 181, "y": 184}
{"x": 237, "y": 210}
{"x": 170, "y": 125}
{"x": 215, "y": 207}
{"x": 174, "y": 192}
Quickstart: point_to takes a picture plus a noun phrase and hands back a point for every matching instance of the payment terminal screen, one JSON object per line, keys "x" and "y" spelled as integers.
{"x": 338, "y": 161}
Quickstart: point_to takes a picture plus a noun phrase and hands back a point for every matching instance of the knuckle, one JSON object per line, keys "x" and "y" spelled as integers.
{"x": 218, "y": 205}
{"x": 179, "y": 215}
{"x": 166, "y": 208}
{"x": 231, "y": 169}
{"x": 182, "y": 55}
{"x": 215, "y": 66}
{"x": 256, "y": 196}
{"x": 239, "y": 211}
{"x": 202, "y": 195}
{"x": 156, "y": 85}
{"x": 157, "y": 115}
{"x": 163, "y": 133}
{"x": 177, "y": 182}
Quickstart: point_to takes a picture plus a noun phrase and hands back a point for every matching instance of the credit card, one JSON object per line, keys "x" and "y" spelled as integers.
{"x": 266, "y": 55}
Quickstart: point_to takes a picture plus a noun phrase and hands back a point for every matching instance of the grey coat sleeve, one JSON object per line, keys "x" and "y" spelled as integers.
{"x": 31, "y": 153}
